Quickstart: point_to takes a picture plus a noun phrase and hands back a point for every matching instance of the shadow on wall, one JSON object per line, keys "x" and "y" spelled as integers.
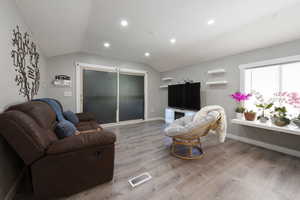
{"x": 10, "y": 167}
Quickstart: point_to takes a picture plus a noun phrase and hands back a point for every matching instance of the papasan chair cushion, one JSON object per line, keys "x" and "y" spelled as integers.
{"x": 209, "y": 118}
{"x": 186, "y": 124}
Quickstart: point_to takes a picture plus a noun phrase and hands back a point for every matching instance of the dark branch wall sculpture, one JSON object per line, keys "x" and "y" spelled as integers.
{"x": 25, "y": 62}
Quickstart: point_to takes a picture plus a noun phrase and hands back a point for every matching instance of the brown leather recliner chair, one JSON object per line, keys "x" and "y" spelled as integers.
{"x": 59, "y": 167}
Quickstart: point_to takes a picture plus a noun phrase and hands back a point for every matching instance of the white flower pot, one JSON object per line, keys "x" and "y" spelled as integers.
{"x": 240, "y": 115}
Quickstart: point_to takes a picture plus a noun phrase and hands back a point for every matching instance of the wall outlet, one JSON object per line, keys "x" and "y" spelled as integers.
{"x": 67, "y": 93}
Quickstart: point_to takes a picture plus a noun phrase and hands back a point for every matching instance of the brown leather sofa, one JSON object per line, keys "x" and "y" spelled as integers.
{"x": 59, "y": 167}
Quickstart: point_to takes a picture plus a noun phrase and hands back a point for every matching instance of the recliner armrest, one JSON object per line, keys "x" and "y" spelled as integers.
{"x": 82, "y": 141}
{"x": 85, "y": 116}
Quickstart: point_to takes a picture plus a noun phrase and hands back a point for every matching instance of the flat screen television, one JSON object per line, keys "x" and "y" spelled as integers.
{"x": 184, "y": 96}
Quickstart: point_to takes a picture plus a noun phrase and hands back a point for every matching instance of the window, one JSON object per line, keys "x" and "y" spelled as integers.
{"x": 291, "y": 77}
{"x": 271, "y": 77}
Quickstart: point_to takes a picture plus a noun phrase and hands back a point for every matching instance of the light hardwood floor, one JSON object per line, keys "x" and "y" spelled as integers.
{"x": 229, "y": 171}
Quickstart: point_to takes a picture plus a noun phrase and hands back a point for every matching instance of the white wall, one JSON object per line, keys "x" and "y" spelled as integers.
{"x": 220, "y": 94}
{"x": 66, "y": 65}
{"x": 9, "y": 19}
{"x": 10, "y": 164}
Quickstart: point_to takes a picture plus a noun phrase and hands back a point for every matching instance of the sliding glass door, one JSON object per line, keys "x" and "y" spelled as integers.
{"x": 100, "y": 95}
{"x": 113, "y": 95}
{"x": 131, "y": 97}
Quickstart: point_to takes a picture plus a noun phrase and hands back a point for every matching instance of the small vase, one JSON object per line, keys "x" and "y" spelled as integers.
{"x": 239, "y": 115}
{"x": 263, "y": 119}
{"x": 297, "y": 122}
{"x": 250, "y": 116}
{"x": 281, "y": 122}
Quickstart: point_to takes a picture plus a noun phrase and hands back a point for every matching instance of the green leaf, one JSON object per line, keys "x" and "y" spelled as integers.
{"x": 269, "y": 106}
{"x": 260, "y": 106}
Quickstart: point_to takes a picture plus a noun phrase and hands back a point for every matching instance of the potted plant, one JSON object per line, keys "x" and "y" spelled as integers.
{"x": 240, "y": 112}
{"x": 250, "y": 115}
{"x": 266, "y": 106}
{"x": 263, "y": 105}
{"x": 297, "y": 121}
{"x": 239, "y": 98}
{"x": 280, "y": 116}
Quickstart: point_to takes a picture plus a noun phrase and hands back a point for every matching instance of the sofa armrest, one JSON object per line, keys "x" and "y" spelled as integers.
{"x": 82, "y": 141}
{"x": 85, "y": 116}
{"x": 72, "y": 172}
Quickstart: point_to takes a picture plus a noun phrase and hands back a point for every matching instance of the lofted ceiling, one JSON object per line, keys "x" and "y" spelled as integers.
{"x": 67, "y": 26}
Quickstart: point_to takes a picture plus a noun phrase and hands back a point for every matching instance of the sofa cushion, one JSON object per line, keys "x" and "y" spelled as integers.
{"x": 41, "y": 112}
{"x": 87, "y": 125}
{"x": 65, "y": 129}
{"x": 82, "y": 141}
{"x": 70, "y": 116}
{"x": 85, "y": 116}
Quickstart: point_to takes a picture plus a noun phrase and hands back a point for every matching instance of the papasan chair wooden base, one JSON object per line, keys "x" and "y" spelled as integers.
{"x": 187, "y": 148}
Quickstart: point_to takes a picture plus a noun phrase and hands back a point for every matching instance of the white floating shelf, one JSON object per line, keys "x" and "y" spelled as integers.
{"x": 216, "y": 71}
{"x": 167, "y": 79}
{"x": 62, "y": 83}
{"x": 163, "y": 86}
{"x": 216, "y": 82}
{"x": 291, "y": 129}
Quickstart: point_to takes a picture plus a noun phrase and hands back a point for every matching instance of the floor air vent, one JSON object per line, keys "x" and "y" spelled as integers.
{"x": 140, "y": 179}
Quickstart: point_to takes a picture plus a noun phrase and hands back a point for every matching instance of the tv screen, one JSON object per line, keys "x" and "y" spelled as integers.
{"x": 184, "y": 96}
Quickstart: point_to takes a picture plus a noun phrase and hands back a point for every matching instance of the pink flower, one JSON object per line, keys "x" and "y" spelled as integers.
{"x": 281, "y": 94}
{"x": 238, "y": 96}
{"x": 293, "y": 99}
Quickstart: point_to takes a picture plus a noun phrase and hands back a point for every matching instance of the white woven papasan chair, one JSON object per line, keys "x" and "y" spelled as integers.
{"x": 187, "y": 131}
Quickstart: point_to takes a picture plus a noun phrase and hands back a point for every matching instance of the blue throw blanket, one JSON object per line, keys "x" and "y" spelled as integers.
{"x": 55, "y": 106}
{"x": 64, "y": 128}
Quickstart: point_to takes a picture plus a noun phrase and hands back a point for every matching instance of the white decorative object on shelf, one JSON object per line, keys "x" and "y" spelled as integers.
{"x": 240, "y": 115}
{"x": 167, "y": 79}
{"x": 216, "y": 82}
{"x": 216, "y": 71}
{"x": 163, "y": 86}
{"x": 291, "y": 129}
{"x": 62, "y": 83}
{"x": 170, "y": 114}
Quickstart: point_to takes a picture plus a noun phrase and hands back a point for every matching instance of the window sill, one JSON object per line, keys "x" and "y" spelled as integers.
{"x": 290, "y": 129}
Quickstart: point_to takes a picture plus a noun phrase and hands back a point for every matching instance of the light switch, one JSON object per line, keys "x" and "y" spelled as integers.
{"x": 68, "y": 93}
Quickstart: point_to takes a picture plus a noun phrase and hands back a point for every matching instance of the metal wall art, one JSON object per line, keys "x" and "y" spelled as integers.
{"x": 25, "y": 62}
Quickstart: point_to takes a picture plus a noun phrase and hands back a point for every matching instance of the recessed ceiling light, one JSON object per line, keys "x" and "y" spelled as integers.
{"x": 124, "y": 23}
{"x": 147, "y": 54}
{"x": 173, "y": 40}
{"x": 211, "y": 22}
{"x": 106, "y": 44}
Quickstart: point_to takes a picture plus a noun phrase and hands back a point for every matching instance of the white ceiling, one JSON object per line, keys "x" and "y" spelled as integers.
{"x": 66, "y": 26}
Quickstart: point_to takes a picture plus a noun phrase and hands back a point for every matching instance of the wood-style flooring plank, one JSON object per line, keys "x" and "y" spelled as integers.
{"x": 229, "y": 171}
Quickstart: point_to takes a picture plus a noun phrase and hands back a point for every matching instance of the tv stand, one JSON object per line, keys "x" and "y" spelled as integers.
{"x": 172, "y": 114}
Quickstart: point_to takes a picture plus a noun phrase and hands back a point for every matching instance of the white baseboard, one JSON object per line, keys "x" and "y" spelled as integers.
{"x": 13, "y": 189}
{"x": 265, "y": 145}
{"x": 155, "y": 119}
{"x": 132, "y": 122}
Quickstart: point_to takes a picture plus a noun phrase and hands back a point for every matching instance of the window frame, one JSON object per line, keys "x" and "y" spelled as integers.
{"x": 266, "y": 63}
